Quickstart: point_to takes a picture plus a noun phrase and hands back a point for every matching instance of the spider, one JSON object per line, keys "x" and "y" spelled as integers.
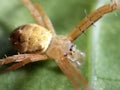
{"x": 37, "y": 42}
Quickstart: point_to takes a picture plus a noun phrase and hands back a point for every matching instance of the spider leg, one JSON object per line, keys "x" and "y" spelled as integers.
{"x": 36, "y": 11}
{"x": 33, "y": 11}
{"x": 18, "y": 64}
{"x": 90, "y": 19}
{"x": 21, "y": 57}
{"x": 72, "y": 73}
{"x": 21, "y": 60}
{"x": 46, "y": 19}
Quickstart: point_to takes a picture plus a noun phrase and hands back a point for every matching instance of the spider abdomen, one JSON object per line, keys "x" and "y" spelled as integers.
{"x": 31, "y": 38}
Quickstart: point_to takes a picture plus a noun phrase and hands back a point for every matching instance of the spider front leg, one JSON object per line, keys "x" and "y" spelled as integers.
{"x": 39, "y": 15}
{"x": 21, "y": 59}
{"x": 34, "y": 12}
{"x": 92, "y": 18}
{"x": 46, "y": 19}
{"x": 73, "y": 74}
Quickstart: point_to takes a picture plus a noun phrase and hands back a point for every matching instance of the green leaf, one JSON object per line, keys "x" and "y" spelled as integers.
{"x": 106, "y": 53}
{"x": 101, "y": 46}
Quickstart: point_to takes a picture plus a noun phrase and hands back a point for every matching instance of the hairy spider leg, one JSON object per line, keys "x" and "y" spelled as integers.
{"x": 46, "y": 19}
{"x": 90, "y": 19}
{"x": 34, "y": 12}
{"x": 21, "y": 59}
{"x": 72, "y": 73}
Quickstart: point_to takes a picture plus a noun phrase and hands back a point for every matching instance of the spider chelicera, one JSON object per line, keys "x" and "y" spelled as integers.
{"x": 40, "y": 42}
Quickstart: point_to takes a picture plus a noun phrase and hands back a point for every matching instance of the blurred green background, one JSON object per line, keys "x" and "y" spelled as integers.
{"x": 100, "y": 44}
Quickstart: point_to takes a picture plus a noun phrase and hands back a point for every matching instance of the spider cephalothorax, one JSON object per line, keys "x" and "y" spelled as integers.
{"x": 40, "y": 42}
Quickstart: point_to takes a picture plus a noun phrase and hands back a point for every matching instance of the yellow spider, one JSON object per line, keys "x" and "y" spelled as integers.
{"x": 37, "y": 42}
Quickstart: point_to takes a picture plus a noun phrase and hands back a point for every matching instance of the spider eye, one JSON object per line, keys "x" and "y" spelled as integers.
{"x": 76, "y": 57}
{"x": 31, "y": 38}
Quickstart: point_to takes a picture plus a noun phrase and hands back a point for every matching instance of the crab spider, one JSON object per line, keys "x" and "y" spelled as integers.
{"x": 37, "y": 42}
